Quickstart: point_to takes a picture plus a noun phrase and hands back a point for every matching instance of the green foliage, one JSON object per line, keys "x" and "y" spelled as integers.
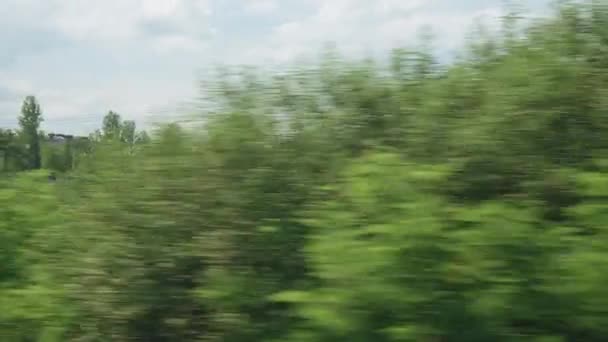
{"x": 112, "y": 126}
{"x": 29, "y": 121}
{"x": 13, "y": 153}
{"x": 33, "y": 303}
{"x": 347, "y": 201}
{"x": 57, "y": 158}
{"x": 128, "y": 133}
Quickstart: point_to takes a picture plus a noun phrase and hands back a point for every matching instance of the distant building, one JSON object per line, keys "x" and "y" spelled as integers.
{"x": 59, "y": 139}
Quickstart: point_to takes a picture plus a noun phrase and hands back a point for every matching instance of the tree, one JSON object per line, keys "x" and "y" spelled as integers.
{"x": 112, "y": 126}
{"x": 30, "y": 119}
{"x": 142, "y": 138}
{"x": 127, "y": 133}
{"x": 7, "y": 147}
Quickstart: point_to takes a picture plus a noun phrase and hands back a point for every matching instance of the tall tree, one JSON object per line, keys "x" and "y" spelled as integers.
{"x": 6, "y": 139}
{"x": 30, "y": 119}
{"x": 111, "y": 125}
{"x": 127, "y": 132}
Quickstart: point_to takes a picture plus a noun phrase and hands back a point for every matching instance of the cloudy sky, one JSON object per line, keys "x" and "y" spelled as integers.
{"x": 143, "y": 58}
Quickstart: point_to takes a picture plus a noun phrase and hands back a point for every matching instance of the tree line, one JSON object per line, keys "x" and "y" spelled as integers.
{"x": 29, "y": 148}
{"x": 344, "y": 200}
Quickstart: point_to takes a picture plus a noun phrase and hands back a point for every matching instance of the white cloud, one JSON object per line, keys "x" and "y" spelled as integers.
{"x": 159, "y": 8}
{"x": 363, "y": 26}
{"x": 108, "y": 20}
{"x": 355, "y": 25}
{"x": 165, "y": 46}
{"x": 449, "y": 30}
{"x": 398, "y": 7}
{"x": 261, "y": 6}
{"x": 112, "y": 20}
{"x": 83, "y": 57}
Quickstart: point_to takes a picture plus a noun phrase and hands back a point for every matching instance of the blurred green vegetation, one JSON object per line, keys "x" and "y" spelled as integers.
{"x": 343, "y": 201}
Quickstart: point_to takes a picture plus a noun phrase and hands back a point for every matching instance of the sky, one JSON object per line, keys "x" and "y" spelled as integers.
{"x": 145, "y": 58}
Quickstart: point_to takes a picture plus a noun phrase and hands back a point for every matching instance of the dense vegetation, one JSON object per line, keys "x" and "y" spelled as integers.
{"x": 346, "y": 201}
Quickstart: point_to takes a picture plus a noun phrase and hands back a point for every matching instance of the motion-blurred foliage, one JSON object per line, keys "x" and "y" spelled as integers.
{"x": 348, "y": 201}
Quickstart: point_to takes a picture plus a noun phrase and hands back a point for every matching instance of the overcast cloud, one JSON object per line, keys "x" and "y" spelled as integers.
{"x": 142, "y": 57}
